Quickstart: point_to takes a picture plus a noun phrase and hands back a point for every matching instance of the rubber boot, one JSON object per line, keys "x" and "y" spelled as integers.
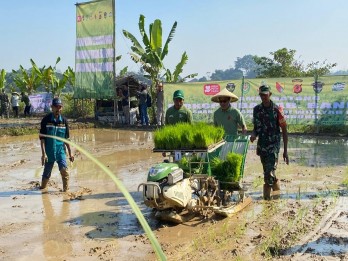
{"x": 276, "y": 185}
{"x": 65, "y": 180}
{"x": 267, "y": 191}
{"x": 276, "y": 189}
{"x": 44, "y": 183}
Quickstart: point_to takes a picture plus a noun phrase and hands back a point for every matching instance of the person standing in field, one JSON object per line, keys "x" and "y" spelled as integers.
{"x": 160, "y": 105}
{"x": 228, "y": 117}
{"x": 125, "y": 103}
{"x": 178, "y": 112}
{"x": 268, "y": 119}
{"x": 26, "y": 100}
{"x": 5, "y": 104}
{"x": 15, "y": 103}
{"x": 54, "y": 150}
{"x": 144, "y": 118}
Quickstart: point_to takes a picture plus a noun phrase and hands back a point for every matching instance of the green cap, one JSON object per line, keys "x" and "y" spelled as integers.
{"x": 264, "y": 89}
{"x": 178, "y": 94}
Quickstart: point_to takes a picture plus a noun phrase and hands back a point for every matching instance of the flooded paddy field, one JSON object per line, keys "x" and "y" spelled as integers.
{"x": 94, "y": 221}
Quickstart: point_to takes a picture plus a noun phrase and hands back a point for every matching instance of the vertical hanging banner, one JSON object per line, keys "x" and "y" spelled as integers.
{"x": 95, "y": 50}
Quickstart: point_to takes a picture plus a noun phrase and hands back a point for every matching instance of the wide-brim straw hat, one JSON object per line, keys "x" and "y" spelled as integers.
{"x": 224, "y": 93}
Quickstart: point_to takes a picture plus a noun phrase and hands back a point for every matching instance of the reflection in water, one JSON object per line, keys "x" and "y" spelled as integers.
{"x": 56, "y": 238}
{"x": 102, "y": 136}
{"x": 319, "y": 151}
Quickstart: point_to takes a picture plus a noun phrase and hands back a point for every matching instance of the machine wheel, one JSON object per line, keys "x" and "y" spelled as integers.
{"x": 267, "y": 192}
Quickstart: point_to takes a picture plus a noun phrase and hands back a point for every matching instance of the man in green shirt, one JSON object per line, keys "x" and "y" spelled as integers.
{"x": 227, "y": 116}
{"x": 178, "y": 112}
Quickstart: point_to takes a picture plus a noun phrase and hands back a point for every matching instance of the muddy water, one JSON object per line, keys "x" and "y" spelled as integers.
{"x": 95, "y": 215}
{"x": 46, "y": 224}
{"x": 319, "y": 151}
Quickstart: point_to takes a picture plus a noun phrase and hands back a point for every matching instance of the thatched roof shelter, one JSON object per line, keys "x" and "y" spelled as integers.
{"x": 132, "y": 83}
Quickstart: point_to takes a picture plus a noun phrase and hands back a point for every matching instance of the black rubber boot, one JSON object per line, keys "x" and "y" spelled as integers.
{"x": 267, "y": 192}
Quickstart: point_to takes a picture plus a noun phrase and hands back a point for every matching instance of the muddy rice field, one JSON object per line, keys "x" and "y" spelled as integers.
{"x": 93, "y": 221}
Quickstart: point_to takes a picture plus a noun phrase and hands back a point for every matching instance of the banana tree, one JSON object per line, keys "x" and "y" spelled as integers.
{"x": 151, "y": 56}
{"x": 175, "y": 76}
{"x": 2, "y": 79}
{"x": 58, "y": 84}
{"x": 28, "y": 81}
{"x": 54, "y": 84}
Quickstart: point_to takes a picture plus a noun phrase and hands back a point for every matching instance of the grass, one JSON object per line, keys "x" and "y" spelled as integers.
{"x": 18, "y": 131}
{"x": 345, "y": 178}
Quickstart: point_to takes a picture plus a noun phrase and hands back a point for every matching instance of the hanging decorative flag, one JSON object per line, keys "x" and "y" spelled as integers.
{"x": 297, "y": 85}
{"x": 279, "y": 87}
{"x": 230, "y": 86}
{"x": 338, "y": 86}
{"x": 246, "y": 87}
{"x": 318, "y": 86}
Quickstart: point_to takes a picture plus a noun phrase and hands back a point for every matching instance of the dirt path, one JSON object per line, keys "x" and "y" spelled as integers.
{"x": 95, "y": 222}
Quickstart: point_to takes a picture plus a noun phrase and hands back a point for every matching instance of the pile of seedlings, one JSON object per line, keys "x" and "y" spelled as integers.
{"x": 186, "y": 136}
{"x": 228, "y": 170}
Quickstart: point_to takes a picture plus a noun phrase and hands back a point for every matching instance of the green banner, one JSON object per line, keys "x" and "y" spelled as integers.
{"x": 95, "y": 50}
{"x": 304, "y": 101}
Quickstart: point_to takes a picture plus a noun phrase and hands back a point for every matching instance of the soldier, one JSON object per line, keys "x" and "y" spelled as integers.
{"x": 26, "y": 100}
{"x": 5, "y": 104}
{"x": 268, "y": 119}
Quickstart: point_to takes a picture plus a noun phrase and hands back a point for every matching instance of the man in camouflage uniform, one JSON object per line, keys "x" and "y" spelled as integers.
{"x": 5, "y": 104}
{"x": 268, "y": 119}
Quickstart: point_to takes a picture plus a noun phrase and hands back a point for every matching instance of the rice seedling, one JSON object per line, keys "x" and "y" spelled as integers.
{"x": 187, "y": 136}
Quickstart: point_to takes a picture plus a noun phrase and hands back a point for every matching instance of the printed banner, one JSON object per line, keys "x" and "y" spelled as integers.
{"x": 304, "y": 101}
{"x": 95, "y": 49}
{"x": 40, "y": 102}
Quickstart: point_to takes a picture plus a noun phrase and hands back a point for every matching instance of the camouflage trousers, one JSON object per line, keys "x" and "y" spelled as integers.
{"x": 269, "y": 164}
{"x": 5, "y": 110}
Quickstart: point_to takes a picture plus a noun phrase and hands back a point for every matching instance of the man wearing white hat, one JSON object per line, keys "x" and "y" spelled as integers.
{"x": 227, "y": 116}
{"x": 15, "y": 103}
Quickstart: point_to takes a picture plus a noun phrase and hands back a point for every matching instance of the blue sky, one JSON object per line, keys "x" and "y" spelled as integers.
{"x": 213, "y": 33}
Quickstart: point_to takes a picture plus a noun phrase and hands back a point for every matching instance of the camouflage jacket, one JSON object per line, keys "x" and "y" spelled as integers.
{"x": 267, "y": 122}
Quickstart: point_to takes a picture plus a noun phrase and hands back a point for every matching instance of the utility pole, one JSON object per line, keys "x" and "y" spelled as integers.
{"x": 242, "y": 90}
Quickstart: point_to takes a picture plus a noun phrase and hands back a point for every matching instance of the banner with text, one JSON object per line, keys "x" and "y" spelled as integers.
{"x": 95, "y": 49}
{"x": 306, "y": 102}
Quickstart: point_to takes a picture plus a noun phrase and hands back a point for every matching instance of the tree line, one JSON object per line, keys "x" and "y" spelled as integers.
{"x": 281, "y": 63}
